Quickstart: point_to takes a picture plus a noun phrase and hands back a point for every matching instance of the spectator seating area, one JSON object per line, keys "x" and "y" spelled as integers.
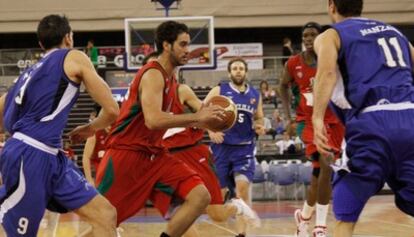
{"x": 281, "y": 179}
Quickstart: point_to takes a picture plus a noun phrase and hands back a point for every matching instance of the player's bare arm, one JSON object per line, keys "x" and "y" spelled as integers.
{"x": 189, "y": 98}
{"x": 2, "y": 101}
{"x": 259, "y": 118}
{"x": 326, "y": 47}
{"x": 284, "y": 92}
{"x": 79, "y": 68}
{"x": 216, "y": 137}
{"x": 86, "y": 158}
{"x": 213, "y": 92}
{"x": 412, "y": 54}
{"x": 151, "y": 93}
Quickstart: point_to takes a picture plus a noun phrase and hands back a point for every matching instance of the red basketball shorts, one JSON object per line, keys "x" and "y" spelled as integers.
{"x": 129, "y": 178}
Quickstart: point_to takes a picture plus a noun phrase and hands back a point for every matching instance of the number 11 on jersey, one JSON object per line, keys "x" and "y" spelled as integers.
{"x": 389, "y": 58}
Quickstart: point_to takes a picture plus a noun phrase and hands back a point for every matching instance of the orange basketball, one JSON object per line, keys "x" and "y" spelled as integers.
{"x": 230, "y": 114}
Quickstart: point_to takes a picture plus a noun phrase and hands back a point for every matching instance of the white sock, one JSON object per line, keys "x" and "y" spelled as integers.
{"x": 321, "y": 214}
{"x": 307, "y": 210}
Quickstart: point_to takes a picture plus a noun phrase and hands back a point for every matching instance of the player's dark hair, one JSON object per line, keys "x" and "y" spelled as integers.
{"x": 312, "y": 25}
{"x": 168, "y": 31}
{"x": 348, "y": 8}
{"x": 236, "y": 60}
{"x": 52, "y": 29}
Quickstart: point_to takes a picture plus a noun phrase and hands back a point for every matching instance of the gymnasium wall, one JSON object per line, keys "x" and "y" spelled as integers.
{"x": 98, "y": 15}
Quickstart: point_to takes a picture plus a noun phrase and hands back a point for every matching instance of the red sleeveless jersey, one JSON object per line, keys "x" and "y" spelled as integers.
{"x": 129, "y": 131}
{"x": 181, "y": 137}
{"x": 303, "y": 76}
{"x": 99, "y": 150}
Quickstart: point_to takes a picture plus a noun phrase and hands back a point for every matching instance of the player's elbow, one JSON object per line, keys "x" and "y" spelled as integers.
{"x": 153, "y": 124}
{"x": 327, "y": 75}
{"x": 113, "y": 113}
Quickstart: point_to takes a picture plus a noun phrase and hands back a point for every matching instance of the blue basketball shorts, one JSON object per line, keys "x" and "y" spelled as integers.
{"x": 231, "y": 160}
{"x": 380, "y": 148}
{"x": 36, "y": 178}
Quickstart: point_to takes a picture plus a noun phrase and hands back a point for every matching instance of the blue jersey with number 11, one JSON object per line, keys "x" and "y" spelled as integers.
{"x": 375, "y": 64}
{"x": 242, "y": 132}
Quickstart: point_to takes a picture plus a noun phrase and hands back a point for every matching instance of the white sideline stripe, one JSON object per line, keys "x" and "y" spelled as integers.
{"x": 276, "y": 235}
{"x": 15, "y": 197}
{"x": 394, "y": 224}
{"x": 55, "y": 227}
{"x": 221, "y": 227}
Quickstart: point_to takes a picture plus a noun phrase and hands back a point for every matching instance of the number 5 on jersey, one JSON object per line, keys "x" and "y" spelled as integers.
{"x": 241, "y": 118}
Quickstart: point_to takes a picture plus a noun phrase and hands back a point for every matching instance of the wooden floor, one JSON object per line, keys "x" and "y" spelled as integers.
{"x": 380, "y": 218}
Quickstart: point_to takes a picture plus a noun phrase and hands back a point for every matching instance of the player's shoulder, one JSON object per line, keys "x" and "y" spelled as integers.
{"x": 328, "y": 37}
{"x": 75, "y": 54}
{"x": 254, "y": 90}
{"x": 152, "y": 73}
{"x": 293, "y": 60}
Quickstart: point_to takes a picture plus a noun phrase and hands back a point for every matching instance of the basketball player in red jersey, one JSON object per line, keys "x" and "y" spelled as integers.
{"x": 136, "y": 166}
{"x": 93, "y": 152}
{"x": 300, "y": 70}
{"x": 185, "y": 144}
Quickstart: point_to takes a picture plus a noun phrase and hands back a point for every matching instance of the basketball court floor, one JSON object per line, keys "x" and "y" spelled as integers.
{"x": 380, "y": 218}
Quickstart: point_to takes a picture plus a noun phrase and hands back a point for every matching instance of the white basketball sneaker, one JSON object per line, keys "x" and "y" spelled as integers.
{"x": 320, "y": 231}
{"x": 302, "y": 225}
{"x": 247, "y": 212}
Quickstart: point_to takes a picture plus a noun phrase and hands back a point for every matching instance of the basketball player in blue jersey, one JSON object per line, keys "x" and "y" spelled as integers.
{"x": 371, "y": 63}
{"x": 35, "y": 172}
{"x": 234, "y": 148}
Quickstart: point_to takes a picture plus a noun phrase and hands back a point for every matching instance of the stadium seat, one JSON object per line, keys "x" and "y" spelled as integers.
{"x": 283, "y": 175}
{"x": 304, "y": 176}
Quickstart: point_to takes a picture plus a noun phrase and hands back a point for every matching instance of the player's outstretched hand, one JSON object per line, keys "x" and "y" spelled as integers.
{"x": 216, "y": 137}
{"x": 320, "y": 138}
{"x": 81, "y": 133}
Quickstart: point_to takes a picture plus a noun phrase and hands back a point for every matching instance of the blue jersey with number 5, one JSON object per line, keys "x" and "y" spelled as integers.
{"x": 242, "y": 132}
{"x": 375, "y": 64}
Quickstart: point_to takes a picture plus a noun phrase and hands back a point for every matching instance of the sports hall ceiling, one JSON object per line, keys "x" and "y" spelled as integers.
{"x": 104, "y": 15}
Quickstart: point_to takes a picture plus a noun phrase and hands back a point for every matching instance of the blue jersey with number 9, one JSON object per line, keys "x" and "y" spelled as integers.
{"x": 242, "y": 132}
{"x": 375, "y": 65}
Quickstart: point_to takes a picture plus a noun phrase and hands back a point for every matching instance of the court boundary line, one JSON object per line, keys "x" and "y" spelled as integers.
{"x": 392, "y": 224}
{"x": 220, "y": 227}
{"x": 55, "y": 228}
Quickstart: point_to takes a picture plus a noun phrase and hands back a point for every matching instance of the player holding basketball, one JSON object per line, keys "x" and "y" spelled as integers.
{"x": 136, "y": 166}
{"x": 234, "y": 148}
{"x": 371, "y": 64}
{"x": 185, "y": 144}
{"x": 35, "y": 172}
{"x": 300, "y": 71}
